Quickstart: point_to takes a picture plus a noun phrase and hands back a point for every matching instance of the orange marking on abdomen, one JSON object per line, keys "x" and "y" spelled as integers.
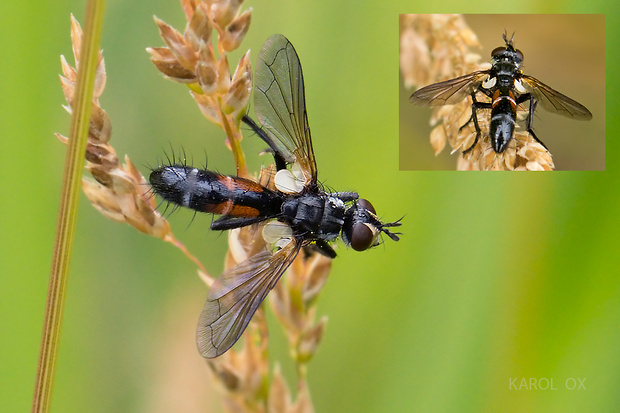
{"x": 243, "y": 211}
{"x": 223, "y": 208}
{"x": 497, "y": 97}
{"x": 233, "y": 183}
{"x": 228, "y": 207}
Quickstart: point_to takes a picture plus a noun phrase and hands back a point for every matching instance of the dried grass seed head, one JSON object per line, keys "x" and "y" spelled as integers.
{"x": 119, "y": 191}
{"x": 190, "y": 58}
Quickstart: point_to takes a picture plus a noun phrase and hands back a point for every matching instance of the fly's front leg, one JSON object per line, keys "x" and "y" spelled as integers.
{"x": 323, "y": 248}
{"x": 346, "y": 196}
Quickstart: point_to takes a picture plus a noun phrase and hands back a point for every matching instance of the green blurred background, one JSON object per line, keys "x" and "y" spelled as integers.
{"x": 498, "y": 277}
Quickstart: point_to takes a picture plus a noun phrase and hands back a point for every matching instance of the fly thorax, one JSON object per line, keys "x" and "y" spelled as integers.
{"x": 333, "y": 218}
{"x": 317, "y": 215}
{"x": 505, "y": 80}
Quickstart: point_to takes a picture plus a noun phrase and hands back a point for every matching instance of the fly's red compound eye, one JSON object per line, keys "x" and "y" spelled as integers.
{"x": 519, "y": 54}
{"x": 364, "y": 203}
{"x": 362, "y": 237}
{"x": 498, "y": 51}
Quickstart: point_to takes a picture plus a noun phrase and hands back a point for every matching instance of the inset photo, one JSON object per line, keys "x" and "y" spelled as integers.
{"x": 518, "y": 92}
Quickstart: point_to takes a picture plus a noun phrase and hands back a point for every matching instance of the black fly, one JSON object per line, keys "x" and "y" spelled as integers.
{"x": 299, "y": 211}
{"x": 507, "y": 87}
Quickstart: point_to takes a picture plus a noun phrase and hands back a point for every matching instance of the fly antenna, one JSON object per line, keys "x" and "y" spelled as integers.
{"x": 508, "y": 42}
{"x": 392, "y": 235}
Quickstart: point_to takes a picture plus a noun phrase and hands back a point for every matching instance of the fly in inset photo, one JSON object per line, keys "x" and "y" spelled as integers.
{"x": 493, "y": 115}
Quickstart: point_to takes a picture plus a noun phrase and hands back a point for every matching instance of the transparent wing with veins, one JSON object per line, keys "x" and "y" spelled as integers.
{"x": 449, "y": 91}
{"x": 554, "y": 101}
{"x": 279, "y": 103}
{"x": 236, "y": 295}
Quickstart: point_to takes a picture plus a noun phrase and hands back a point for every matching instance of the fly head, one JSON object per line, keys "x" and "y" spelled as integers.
{"x": 507, "y": 53}
{"x": 362, "y": 227}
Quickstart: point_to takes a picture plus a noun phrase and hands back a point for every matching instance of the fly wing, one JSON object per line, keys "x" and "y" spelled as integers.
{"x": 280, "y": 103}
{"x": 449, "y": 91}
{"x": 554, "y": 101}
{"x": 236, "y": 295}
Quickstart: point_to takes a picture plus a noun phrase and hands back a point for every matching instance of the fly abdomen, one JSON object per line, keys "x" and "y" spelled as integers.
{"x": 207, "y": 191}
{"x": 503, "y": 118}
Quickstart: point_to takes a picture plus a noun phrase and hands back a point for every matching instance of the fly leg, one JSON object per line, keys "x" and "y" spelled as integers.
{"x": 530, "y": 116}
{"x": 224, "y": 223}
{"x": 323, "y": 248}
{"x": 346, "y": 196}
{"x": 277, "y": 156}
{"x": 475, "y": 105}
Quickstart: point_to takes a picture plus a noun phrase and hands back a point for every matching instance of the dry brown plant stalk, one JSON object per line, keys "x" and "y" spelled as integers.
{"x": 118, "y": 192}
{"x": 436, "y": 47}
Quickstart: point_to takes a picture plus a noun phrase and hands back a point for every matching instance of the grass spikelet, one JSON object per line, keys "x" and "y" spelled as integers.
{"x": 190, "y": 58}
